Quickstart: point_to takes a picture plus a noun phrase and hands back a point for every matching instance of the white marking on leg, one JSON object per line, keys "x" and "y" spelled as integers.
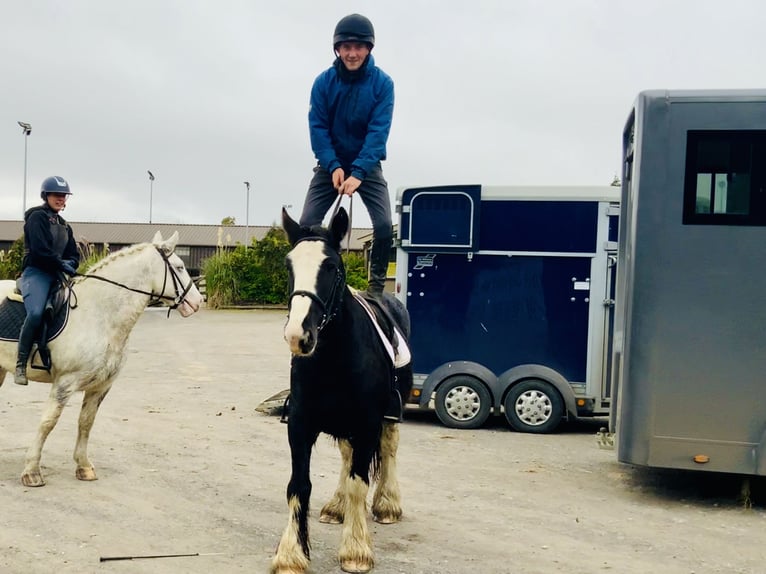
{"x": 355, "y": 553}
{"x": 290, "y": 558}
{"x": 386, "y": 501}
{"x": 333, "y": 511}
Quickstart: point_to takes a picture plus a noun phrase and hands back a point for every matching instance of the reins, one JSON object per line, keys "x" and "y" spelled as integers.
{"x": 180, "y": 289}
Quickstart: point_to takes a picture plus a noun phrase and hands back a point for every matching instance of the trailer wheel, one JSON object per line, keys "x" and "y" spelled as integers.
{"x": 463, "y": 403}
{"x": 534, "y": 406}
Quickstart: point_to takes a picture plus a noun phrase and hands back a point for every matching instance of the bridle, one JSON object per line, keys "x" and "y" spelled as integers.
{"x": 331, "y": 306}
{"x": 180, "y": 289}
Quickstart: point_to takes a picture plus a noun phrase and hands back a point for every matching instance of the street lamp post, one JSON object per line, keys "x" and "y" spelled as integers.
{"x": 151, "y": 193}
{"x": 247, "y": 216}
{"x": 26, "y": 129}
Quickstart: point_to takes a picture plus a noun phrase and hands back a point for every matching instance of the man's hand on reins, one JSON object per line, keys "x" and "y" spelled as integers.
{"x": 350, "y": 186}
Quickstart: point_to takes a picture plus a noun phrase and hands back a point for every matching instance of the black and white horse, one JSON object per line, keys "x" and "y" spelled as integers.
{"x": 341, "y": 379}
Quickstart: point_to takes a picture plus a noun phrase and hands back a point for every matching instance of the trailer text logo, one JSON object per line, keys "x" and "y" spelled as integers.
{"x": 423, "y": 261}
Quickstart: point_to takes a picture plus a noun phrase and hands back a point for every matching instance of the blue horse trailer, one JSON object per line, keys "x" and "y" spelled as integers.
{"x": 690, "y": 324}
{"x": 510, "y": 294}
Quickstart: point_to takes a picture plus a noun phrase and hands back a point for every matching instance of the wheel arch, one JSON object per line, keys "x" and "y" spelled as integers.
{"x": 520, "y": 373}
{"x": 455, "y": 368}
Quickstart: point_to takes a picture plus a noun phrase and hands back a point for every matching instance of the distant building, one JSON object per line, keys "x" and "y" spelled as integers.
{"x": 195, "y": 244}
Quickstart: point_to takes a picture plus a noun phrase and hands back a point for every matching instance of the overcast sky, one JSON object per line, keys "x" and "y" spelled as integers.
{"x": 209, "y": 94}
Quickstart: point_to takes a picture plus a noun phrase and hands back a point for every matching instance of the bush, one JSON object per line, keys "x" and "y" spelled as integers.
{"x": 90, "y": 255}
{"x": 258, "y": 275}
{"x": 356, "y": 271}
{"x": 10, "y": 261}
{"x": 220, "y": 280}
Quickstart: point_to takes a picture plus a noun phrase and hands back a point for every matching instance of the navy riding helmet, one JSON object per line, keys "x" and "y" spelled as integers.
{"x": 54, "y": 184}
{"x": 354, "y": 28}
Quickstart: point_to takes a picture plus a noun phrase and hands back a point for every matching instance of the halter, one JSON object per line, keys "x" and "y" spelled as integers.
{"x": 331, "y": 306}
{"x": 180, "y": 289}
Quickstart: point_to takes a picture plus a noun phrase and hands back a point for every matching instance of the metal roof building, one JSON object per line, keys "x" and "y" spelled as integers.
{"x": 195, "y": 243}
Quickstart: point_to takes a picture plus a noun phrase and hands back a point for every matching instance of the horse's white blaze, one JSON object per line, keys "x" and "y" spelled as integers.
{"x": 305, "y": 260}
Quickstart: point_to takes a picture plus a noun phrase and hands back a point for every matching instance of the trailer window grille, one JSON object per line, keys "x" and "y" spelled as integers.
{"x": 442, "y": 219}
{"x": 725, "y": 181}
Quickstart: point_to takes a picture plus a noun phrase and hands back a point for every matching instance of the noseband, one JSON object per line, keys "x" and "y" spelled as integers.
{"x": 331, "y": 306}
{"x": 180, "y": 289}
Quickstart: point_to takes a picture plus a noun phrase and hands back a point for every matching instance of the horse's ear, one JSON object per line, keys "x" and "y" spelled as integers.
{"x": 157, "y": 239}
{"x": 339, "y": 226}
{"x": 169, "y": 245}
{"x": 292, "y": 229}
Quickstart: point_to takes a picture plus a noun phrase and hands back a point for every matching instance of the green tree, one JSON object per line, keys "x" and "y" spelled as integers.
{"x": 10, "y": 261}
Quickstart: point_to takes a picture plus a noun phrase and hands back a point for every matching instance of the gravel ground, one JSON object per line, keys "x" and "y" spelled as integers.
{"x": 187, "y": 465}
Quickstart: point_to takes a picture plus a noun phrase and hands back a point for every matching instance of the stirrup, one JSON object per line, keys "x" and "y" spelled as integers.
{"x": 395, "y": 409}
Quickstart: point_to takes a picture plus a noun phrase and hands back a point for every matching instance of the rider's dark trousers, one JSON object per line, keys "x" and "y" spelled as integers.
{"x": 374, "y": 194}
{"x": 35, "y": 286}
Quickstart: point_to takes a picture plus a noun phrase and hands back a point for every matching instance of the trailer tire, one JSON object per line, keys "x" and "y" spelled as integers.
{"x": 463, "y": 402}
{"x": 534, "y": 406}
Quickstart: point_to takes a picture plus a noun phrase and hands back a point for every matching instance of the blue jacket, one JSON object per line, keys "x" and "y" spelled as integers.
{"x": 349, "y": 119}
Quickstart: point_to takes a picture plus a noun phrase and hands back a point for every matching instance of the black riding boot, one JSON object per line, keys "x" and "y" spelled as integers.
{"x": 26, "y": 338}
{"x": 378, "y": 266}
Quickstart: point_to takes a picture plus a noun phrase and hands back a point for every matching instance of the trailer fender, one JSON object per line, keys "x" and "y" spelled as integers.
{"x": 510, "y": 377}
{"x": 447, "y": 370}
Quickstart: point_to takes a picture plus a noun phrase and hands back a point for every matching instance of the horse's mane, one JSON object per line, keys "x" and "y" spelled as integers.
{"x": 118, "y": 254}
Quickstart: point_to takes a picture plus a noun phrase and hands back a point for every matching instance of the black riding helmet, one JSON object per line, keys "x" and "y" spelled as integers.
{"x": 54, "y": 184}
{"x": 354, "y": 28}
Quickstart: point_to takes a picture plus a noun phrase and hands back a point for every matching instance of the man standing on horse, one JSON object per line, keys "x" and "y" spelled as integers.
{"x": 49, "y": 249}
{"x": 352, "y": 104}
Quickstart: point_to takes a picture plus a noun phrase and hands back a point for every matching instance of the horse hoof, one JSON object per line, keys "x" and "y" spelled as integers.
{"x": 86, "y": 474}
{"x": 330, "y": 519}
{"x": 32, "y": 479}
{"x": 355, "y": 566}
{"x": 386, "y": 519}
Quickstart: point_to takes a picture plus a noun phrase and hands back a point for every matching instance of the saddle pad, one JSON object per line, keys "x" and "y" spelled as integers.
{"x": 12, "y": 315}
{"x": 399, "y": 356}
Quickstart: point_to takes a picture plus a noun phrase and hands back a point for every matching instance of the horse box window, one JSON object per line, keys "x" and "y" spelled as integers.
{"x": 725, "y": 180}
{"x": 442, "y": 219}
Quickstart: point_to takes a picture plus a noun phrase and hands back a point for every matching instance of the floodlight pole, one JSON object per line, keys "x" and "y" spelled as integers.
{"x": 151, "y": 193}
{"x": 247, "y": 216}
{"x": 26, "y": 129}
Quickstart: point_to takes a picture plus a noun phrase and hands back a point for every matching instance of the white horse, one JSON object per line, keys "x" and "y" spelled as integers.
{"x": 105, "y": 305}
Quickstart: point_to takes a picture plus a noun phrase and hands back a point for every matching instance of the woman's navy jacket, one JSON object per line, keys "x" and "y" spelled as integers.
{"x": 48, "y": 241}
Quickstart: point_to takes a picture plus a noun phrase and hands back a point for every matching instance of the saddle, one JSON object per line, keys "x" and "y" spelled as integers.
{"x": 385, "y": 325}
{"x": 394, "y": 344}
{"x": 55, "y": 317}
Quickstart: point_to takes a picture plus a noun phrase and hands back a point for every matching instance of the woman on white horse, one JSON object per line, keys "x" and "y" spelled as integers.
{"x": 49, "y": 249}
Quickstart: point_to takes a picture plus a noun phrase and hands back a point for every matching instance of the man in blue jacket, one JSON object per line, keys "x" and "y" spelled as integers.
{"x": 352, "y": 104}
{"x": 49, "y": 249}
